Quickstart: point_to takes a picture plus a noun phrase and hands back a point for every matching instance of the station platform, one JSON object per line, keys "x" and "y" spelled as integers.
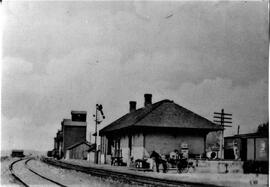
{"x": 164, "y": 179}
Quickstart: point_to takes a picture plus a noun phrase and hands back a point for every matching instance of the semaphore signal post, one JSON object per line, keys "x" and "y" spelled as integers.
{"x": 99, "y": 108}
{"x": 222, "y": 120}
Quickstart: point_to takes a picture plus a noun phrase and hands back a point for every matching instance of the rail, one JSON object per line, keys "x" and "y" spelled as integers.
{"x": 31, "y": 170}
{"x": 13, "y": 173}
{"x": 122, "y": 176}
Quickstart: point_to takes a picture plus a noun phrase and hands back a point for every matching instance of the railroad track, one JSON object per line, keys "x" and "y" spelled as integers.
{"x": 122, "y": 176}
{"x": 23, "y": 182}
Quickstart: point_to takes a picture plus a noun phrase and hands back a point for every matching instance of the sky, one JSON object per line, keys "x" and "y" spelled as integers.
{"x": 62, "y": 56}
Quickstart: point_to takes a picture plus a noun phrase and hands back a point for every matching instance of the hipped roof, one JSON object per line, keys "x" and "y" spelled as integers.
{"x": 166, "y": 114}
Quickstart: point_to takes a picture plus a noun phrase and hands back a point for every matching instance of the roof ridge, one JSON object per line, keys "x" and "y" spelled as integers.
{"x": 152, "y": 109}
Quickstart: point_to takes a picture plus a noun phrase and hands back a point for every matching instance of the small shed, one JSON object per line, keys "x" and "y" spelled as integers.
{"x": 17, "y": 153}
{"x": 79, "y": 150}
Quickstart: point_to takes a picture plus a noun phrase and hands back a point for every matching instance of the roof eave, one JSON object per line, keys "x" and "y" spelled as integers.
{"x": 134, "y": 126}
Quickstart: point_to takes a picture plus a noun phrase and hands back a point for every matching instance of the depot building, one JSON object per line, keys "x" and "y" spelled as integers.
{"x": 162, "y": 127}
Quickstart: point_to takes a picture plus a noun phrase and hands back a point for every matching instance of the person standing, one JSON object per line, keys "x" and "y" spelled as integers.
{"x": 157, "y": 159}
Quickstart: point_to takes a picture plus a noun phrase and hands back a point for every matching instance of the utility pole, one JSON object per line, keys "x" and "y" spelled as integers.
{"x": 98, "y": 108}
{"x": 221, "y": 121}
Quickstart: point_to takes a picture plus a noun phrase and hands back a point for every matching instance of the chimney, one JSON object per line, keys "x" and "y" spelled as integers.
{"x": 132, "y": 106}
{"x": 147, "y": 99}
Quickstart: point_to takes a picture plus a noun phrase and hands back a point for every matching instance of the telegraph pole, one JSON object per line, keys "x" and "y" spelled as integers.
{"x": 223, "y": 118}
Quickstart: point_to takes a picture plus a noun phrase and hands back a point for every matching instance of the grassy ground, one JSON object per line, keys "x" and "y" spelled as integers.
{"x": 6, "y": 178}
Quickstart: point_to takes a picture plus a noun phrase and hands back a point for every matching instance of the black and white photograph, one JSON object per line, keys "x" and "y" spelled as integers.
{"x": 135, "y": 93}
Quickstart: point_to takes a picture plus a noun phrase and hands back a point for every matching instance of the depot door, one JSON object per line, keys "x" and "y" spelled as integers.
{"x": 243, "y": 150}
{"x": 130, "y": 144}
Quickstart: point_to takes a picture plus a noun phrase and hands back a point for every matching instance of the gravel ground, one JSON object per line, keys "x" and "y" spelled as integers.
{"x": 6, "y": 177}
{"x": 71, "y": 177}
{"x": 28, "y": 177}
{"x": 74, "y": 178}
{"x": 66, "y": 177}
{"x": 234, "y": 180}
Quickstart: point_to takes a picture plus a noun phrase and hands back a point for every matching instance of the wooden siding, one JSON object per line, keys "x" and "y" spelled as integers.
{"x": 165, "y": 143}
{"x": 79, "y": 152}
{"x": 72, "y": 135}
